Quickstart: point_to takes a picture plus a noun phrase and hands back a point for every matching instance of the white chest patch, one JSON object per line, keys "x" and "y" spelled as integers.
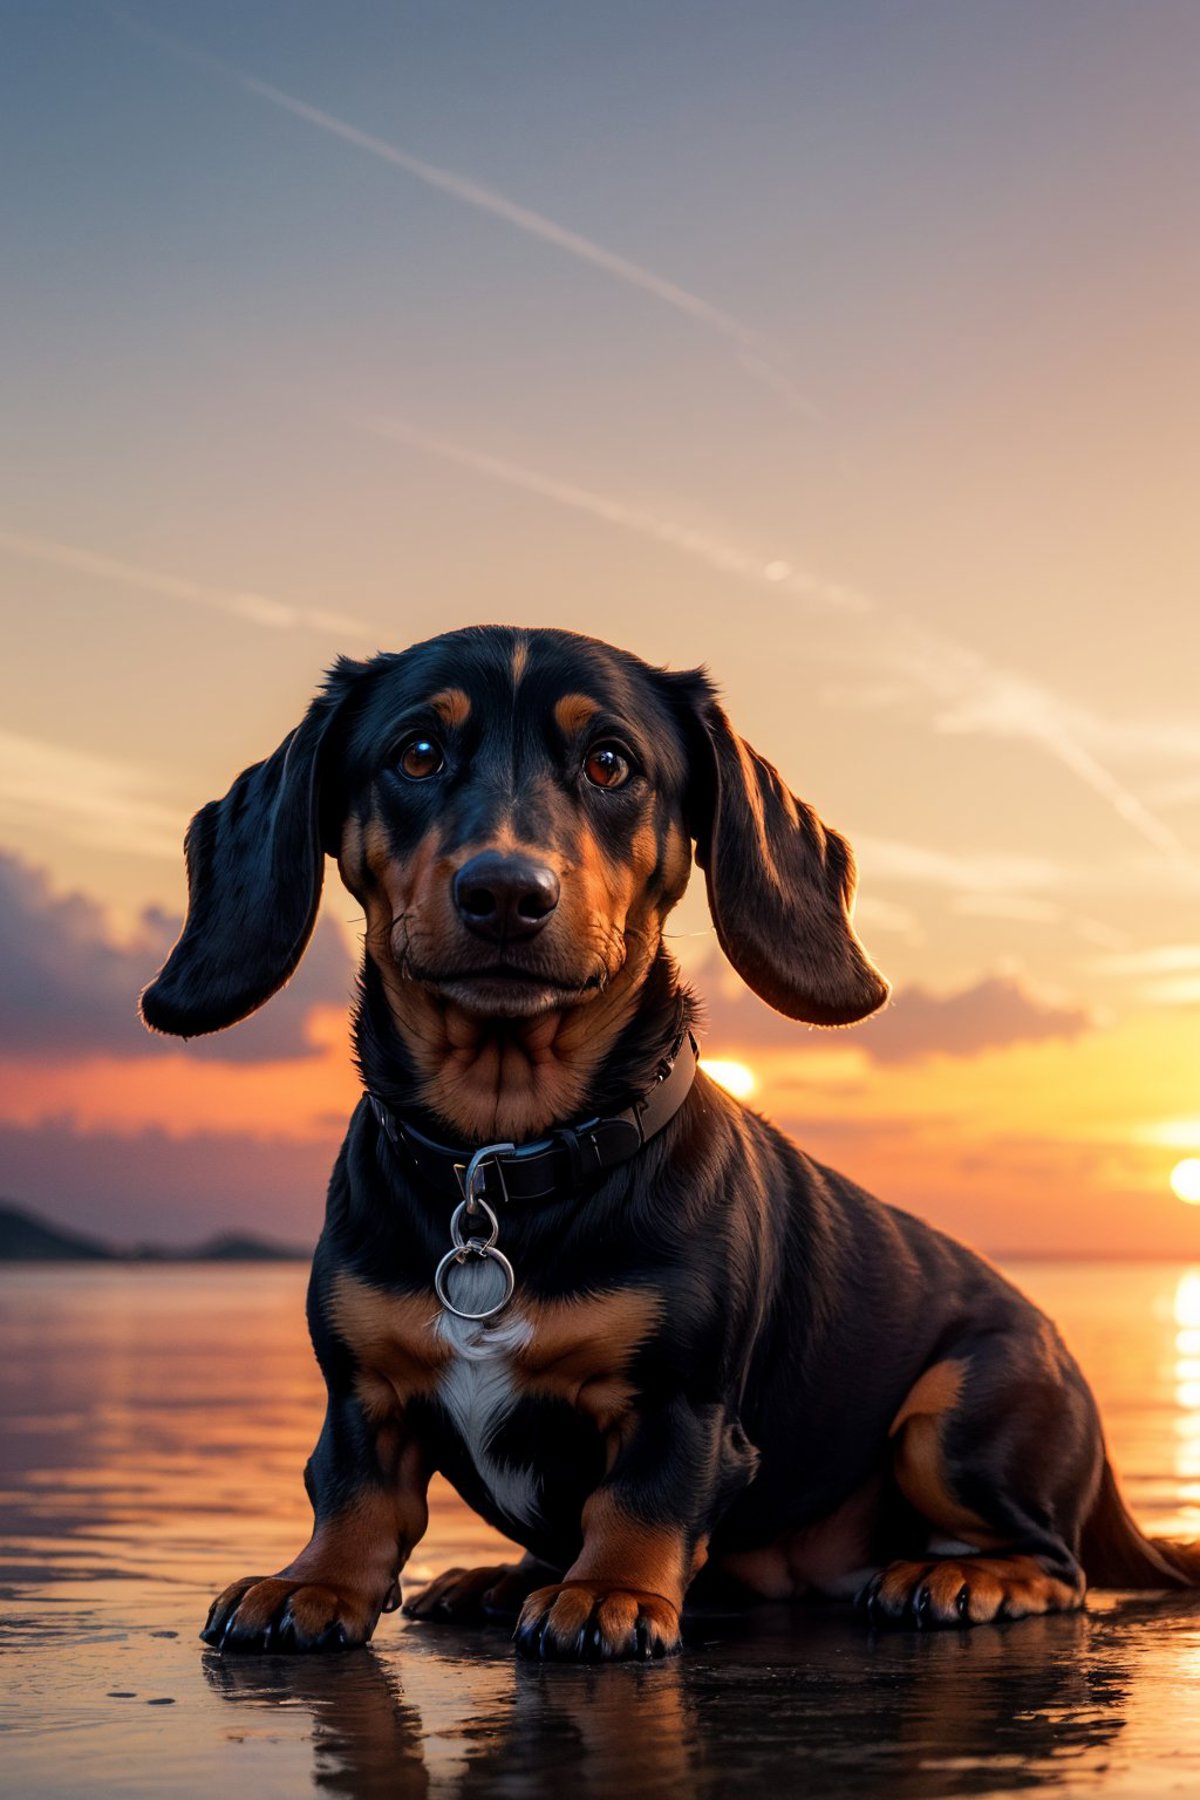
{"x": 477, "y": 1388}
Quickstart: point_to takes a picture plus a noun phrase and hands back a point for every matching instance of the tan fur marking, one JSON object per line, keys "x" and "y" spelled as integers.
{"x": 520, "y": 660}
{"x": 1018, "y": 1585}
{"x": 574, "y": 712}
{"x": 393, "y": 1337}
{"x": 513, "y": 1077}
{"x": 578, "y": 1350}
{"x": 517, "y": 1080}
{"x": 677, "y": 866}
{"x": 754, "y": 798}
{"x": 452, "y": 706}
{"x": 820, "y": 1557}
{"x": 615, "y": 1609}
{"x": 935, "y": 1392}
{"x": 650, "y": 1558}
{"x": 919, "y": 1464}
{"x": 348, "y": 1568}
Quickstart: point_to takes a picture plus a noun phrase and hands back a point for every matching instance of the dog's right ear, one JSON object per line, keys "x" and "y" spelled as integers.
{"x": 780, "y": 881}
{"x": 255, "y": 865}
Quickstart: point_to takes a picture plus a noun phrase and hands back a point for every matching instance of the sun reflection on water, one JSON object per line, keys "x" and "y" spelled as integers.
{"x": 1187, "y": 1385}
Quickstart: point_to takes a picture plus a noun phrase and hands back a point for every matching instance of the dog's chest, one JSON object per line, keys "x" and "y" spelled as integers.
{"x": 478, "y": 1387}
{"x": 578, "y": 1351}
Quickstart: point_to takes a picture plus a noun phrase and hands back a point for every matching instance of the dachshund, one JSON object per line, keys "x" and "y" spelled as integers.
{"x": 638, "y": 1330}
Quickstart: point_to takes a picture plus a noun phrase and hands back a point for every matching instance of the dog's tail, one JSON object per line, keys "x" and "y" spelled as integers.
{"x": 1116, "y": 1553}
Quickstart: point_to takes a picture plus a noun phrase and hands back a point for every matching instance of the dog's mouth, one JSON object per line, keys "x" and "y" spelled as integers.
{"x": 507, "y": 989}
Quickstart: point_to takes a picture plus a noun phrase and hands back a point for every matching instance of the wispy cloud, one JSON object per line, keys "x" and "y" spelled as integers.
{"x": 730, "y": 559}
{"x": 1159, "y": 959}
{"x": 1178, "y": 790}
{"x": 1037, "y": 888}
{"x": 1170, "y": 1134}
{"x": 977, "y": 696}
{"x": 963, "y": 872}
{"x": 274, "y": 615}
{"x": 755, "y": 354}
{"x": 92, "y": 799}
{"x": 974, "y": 695}
{"x": 1164, "y": 974}
{"x": 995, "y": 702}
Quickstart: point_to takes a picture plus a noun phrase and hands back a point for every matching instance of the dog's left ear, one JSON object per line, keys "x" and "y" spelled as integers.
{"x": 780, "y": 882}
{"x": 255, "y": 865}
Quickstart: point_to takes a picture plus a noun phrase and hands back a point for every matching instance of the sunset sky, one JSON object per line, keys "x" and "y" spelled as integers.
{"x": 848, "y": 349}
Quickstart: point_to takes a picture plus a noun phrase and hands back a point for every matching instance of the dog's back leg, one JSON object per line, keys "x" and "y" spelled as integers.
{"x": 998, "y": 1448}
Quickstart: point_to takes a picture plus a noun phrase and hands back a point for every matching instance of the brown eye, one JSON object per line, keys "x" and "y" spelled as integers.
{"x": 420, "y": 758}
{"x": 607, "y": 766}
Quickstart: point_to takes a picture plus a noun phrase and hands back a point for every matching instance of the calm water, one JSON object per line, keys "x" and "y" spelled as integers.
{"x": 153, "y": 1426}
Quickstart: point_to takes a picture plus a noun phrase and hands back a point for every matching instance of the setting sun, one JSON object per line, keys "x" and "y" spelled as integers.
{"x": 734, "y": 1077}
{"x": 1185, "y": 1180}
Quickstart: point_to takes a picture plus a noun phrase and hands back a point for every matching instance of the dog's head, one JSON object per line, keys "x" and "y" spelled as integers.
{"x": 515, "y": 811}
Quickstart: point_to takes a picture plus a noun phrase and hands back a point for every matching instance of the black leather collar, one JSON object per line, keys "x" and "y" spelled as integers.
{"x": 556, "y": 1166}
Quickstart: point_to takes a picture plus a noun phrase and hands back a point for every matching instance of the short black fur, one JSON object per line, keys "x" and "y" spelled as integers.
{"x": 720, "y": 1357}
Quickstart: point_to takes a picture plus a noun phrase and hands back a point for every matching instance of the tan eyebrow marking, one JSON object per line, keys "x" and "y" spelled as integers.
{"x": 573, "y": 712}
{"x": 452, "y": 706}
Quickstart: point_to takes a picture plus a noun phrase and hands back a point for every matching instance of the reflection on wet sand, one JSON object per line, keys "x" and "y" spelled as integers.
{"x": 153, "y": 1425}
{"x": 774, "y": 1698}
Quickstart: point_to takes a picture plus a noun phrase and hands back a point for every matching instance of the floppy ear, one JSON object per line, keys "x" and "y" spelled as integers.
{"x": 255, "y": 864}
{"x": 780, "y": 883}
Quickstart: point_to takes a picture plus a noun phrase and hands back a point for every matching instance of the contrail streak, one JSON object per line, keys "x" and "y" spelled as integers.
{"x": 731, "y": 559}
{"x": 274, "y": 614}
{"x": 982, "y": 698}
{"x": 996, "y": 702}
{"x": 755, "y": 354}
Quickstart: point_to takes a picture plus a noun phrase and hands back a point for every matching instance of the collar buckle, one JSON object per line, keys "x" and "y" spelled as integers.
{"x": 474, "y": 1178}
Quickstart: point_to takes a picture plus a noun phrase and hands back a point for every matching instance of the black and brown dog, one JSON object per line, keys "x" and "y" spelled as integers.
{"x": 636, "y": 1328}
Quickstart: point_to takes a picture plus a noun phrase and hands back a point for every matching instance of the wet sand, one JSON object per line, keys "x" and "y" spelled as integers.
{"x": 153, "y": 1426}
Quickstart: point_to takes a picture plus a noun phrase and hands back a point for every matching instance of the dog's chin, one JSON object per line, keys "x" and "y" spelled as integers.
{"x": 512, "y": 993}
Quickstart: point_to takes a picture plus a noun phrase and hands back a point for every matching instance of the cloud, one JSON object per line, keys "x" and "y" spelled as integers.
{"x": 993, "y": 1013}
{"x": 68, "y": 989}
{"x": 257, "y": 609}
{"x": 1160, "y": 959}
{"x": 1023, "y": 909}
{"x": 973, "y": 695}
{"x": 729, "y": 559}
{"x": 978, "y": 872}
{"x": 755, "y": 354}
{"x": 990, "y": 875}
{"x": 977, "y": 696}
{"x": 155, "y": 1186}
{"x": 1164, "y": 974}
{"x": 95, "y": 800}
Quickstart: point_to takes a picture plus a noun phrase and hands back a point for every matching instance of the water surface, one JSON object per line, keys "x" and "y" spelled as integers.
{"x": 154, "y": 1422}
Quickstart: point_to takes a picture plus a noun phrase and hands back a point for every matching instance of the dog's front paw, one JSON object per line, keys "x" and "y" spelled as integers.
{"x": 278, "y": 1613}
{"x": 596, "y": 1621}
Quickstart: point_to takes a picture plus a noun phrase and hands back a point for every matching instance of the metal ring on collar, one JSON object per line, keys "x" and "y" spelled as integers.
{"x": 474, "y": 1247}
{"x": 478, "y": 1245}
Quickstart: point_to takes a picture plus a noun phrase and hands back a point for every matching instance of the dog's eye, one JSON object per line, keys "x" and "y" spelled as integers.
{"x": 420, "y": 758}
{"x": 607, "y": 766}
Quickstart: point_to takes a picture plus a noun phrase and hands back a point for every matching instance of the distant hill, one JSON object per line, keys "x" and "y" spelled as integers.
{"x": 24, "y": 1237}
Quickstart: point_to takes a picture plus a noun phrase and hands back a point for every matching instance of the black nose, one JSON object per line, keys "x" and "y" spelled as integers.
{"x": 504, "y": 898}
